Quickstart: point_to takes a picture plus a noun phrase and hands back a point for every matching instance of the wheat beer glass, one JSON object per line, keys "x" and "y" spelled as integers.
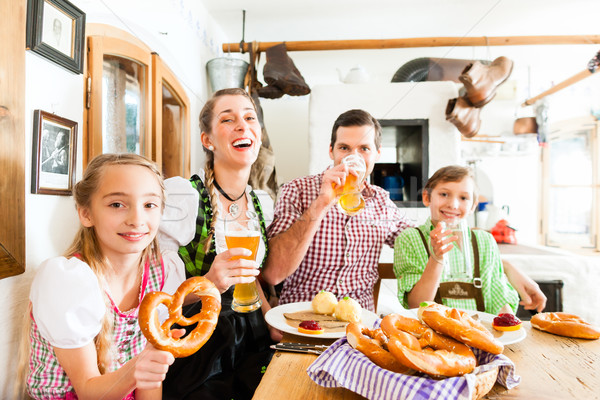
{"x": 457, "y": 262}
{"x": 244, "y": 231}
{"x": 350, "y": 200}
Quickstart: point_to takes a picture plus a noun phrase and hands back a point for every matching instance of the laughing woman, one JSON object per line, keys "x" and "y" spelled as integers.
{"x": 229, "y": 365}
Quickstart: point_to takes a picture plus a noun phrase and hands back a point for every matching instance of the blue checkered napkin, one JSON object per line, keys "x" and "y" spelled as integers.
{"x": 342, "y": 366}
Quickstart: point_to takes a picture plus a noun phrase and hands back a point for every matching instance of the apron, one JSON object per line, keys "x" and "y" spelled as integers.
{"x": 460, "y": 290}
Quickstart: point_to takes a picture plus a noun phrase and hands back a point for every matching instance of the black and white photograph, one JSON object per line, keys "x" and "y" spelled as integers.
{"x": 53, "y": 158}
{"x": 56, "y": 31}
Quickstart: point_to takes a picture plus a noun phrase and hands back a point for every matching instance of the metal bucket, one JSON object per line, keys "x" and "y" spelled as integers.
{"x": 226, "y": 72}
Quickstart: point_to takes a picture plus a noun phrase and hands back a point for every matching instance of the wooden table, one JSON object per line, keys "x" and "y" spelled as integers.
{"x": 551, "y": 367}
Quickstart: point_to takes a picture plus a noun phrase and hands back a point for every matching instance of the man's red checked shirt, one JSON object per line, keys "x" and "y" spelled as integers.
{"x": 344, "y": 254}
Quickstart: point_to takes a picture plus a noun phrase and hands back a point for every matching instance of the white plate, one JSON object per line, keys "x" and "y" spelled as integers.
{"x": 275, "y": 318}
{"x": 486, "y": 320}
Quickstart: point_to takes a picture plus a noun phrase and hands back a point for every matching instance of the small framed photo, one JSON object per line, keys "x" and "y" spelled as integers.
{"x": 54, "y": 152}
{"x": 56, "y": 31}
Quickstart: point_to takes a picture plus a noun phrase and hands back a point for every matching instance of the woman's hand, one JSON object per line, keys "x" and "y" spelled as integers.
{"x": 228, "y": 270}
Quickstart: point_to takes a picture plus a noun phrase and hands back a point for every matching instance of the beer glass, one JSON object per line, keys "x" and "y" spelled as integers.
{"x": 350, "y": 200}
{"x": 244, "y": 231}
{"x": 457, "y": 262}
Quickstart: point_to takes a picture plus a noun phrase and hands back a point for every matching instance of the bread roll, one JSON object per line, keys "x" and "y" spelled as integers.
{"x": 348, "y": 310}
{"x": 324, "y": 303}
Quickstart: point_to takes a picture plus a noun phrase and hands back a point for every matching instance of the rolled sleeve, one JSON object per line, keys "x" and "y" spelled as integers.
{"x": 287, "y": 210}
{"x": 410, "y": 258}
{"x": 67, "y": 302}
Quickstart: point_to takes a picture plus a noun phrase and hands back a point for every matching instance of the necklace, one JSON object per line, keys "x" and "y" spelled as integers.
{"x": 233, "y": 208}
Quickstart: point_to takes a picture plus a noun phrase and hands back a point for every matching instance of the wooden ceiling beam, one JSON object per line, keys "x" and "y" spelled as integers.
{"x": 366, "y": 44}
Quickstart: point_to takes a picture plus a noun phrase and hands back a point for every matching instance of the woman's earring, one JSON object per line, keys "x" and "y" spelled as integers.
{"x": 211, "y": 148}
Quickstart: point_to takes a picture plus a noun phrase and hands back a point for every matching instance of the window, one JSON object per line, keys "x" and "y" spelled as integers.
{"x": 134, "y": 102}
{"x": 570, "y": 185}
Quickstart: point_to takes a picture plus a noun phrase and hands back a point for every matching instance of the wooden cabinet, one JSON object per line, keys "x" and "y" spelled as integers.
{"x": 12, "y": 138}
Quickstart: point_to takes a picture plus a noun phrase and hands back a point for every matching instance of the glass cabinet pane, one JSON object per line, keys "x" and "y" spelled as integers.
{"x": 570, "y": 216}
{"x": 571, "y": 160}
{"x": 173, "y": 128}
{"x": 123, "y": 113}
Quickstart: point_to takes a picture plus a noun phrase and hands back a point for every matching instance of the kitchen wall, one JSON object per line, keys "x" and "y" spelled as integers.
{"x": 189, "y": 38}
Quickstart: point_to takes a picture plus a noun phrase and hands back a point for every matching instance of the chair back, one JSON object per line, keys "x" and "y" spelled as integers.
{"x": 386, "y": 271}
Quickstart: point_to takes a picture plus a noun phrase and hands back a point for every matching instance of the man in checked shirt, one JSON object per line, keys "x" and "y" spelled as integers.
{"x": 315, "y": 246}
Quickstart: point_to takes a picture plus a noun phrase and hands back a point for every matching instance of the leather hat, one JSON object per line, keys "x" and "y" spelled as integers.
{"x": 481, "y": 80}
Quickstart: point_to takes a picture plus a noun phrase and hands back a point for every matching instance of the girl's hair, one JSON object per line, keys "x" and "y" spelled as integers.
{"x": 206, "y": 119}
{"x": 86, "y": 246}
{"x": 451, "y": 173}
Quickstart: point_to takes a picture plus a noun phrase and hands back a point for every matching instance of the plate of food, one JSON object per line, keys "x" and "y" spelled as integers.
{"x": 289, "y": 317}
{"x": 507, "y": 332}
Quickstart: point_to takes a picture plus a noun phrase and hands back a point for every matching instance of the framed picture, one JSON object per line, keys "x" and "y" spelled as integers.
{"x": 56, "y": 30}
{"x": 54, "y": 151}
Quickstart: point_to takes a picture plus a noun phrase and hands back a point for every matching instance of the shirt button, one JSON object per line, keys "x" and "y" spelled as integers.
{"x": 341, "y": 281}
{"x": 130, "y": 332}
{"x": 347, "y": 255}
{"x": 132, "y": 321}
{"x": 122, "y": 360}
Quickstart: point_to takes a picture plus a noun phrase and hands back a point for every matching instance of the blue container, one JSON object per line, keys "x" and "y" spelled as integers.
{"x": 394, "y": 185}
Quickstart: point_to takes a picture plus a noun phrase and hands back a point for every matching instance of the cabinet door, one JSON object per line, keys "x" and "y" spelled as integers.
{"x": 12, "y": 138}
{"x": 119, "y": 98}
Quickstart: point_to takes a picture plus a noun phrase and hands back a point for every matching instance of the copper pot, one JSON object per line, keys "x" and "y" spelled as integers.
{"x": 525, "y": 125}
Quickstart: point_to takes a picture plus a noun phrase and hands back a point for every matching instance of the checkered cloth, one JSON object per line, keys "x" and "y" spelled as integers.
{"x": 342, "y": 366}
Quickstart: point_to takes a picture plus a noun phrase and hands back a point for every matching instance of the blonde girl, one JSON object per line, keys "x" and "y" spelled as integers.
{"x": 85, "y": 340}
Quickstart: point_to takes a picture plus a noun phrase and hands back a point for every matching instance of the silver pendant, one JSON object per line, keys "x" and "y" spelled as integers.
{"x": 234, "y": 210}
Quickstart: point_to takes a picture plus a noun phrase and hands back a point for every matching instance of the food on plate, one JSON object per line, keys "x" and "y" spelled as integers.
{"x": 371, "y": 343}
{"x": 459, "y": 325}
{"x": 433, "y": 354}
{"x": 348, "y": 310}
{"x": 160, "y": 334}
{"x": 506, "y": 322}
{"x": 564, "y": 324}
{"x": 327, "y": 322}
{"x": 310, "y": 327}
{"x": 324, "y": 303}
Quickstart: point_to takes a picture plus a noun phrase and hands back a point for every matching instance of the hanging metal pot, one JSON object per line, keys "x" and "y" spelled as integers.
{"x": 226, "y": 72}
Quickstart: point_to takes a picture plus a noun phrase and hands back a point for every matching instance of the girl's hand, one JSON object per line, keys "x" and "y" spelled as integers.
{"x": 226, "y": 272}
{"x": 151, "y": 367}
{"x": 441, "y": 241}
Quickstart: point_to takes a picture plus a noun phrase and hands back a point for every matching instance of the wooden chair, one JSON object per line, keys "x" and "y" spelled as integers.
{"x": 386, "y": 271}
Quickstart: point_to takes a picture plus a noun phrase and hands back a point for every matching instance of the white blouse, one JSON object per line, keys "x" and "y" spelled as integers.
{"x": 67, "y": 301}
{"x": 178, "y": 224}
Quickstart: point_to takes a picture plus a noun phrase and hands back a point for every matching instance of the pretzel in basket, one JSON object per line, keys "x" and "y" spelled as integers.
{"x": 371, "y": 343}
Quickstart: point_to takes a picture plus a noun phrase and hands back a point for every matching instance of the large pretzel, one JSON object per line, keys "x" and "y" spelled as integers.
{"x": 460, "y": 326}
{"x": 160, "y": 334}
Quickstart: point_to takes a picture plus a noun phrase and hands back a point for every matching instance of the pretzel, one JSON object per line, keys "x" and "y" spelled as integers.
{"x": 564, "y": 324}
{"x": 460, "y": 326}
{"x": 371, "y": 343}
{"x": 160, "y": 334}
{"x": 448, "y": 357}
{"x": 392, "y": 324}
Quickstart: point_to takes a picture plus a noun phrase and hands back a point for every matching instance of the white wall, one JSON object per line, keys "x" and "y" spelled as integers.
{"x": 51, "y": 222}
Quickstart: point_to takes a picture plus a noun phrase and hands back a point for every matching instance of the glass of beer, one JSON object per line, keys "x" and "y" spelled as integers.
{"x": 244, "y": 231}
{"x": 350, "y": 200}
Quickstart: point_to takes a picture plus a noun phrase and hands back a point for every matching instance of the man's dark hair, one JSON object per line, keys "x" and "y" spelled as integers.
{"x": 356, "y": 118}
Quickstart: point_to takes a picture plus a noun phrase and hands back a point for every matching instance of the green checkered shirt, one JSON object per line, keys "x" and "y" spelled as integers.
{"x": 410, "y": 259}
